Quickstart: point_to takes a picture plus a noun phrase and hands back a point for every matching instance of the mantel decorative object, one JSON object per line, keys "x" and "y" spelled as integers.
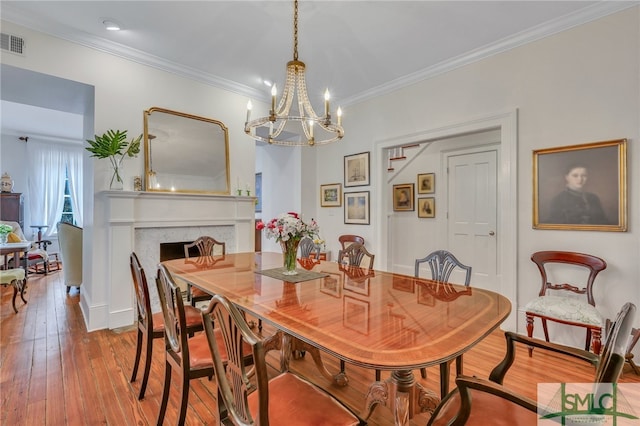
{"x": 114, "y": 146}
{"x": 288, "y": 229}
{"x": 295, "y": 127}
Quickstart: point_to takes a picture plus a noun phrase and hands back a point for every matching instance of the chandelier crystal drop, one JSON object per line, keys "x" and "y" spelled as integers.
{"x": 292, "y": 121}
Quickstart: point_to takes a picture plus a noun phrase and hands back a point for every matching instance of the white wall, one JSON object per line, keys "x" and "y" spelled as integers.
{"x": 579, "y": 86}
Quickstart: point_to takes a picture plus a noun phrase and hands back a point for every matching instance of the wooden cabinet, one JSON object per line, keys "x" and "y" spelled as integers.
{"x": 12, "y": 207}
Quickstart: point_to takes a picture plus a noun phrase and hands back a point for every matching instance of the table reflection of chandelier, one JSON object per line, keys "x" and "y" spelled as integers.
{"x": 295, "y": 123}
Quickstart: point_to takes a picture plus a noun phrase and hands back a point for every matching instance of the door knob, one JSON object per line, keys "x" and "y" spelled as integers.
{"x": 492, "y": 233}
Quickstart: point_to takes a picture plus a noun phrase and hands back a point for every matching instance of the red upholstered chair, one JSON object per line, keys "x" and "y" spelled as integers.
{"x": 482, "y": 402}
{"x": 283, "y": 400}
{"x": 150, "y": 325}
{"x": 551, "y": 306}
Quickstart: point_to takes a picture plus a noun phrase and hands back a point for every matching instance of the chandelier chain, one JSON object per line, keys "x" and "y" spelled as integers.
{"x": 295, "y": 30}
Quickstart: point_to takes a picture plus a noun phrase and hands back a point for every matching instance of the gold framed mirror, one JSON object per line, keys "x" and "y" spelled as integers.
{"x": 185, "y": 153}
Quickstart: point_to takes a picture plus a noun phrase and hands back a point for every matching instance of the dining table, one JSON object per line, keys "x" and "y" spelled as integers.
{"x": 369, "y": 318}
{"x": 15, "y": 249}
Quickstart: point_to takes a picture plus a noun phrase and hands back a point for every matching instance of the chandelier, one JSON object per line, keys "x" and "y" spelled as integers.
{"x": 292, "y": 123}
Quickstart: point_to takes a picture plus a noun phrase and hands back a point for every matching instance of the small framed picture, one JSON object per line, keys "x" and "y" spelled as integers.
{"x": 427, "y": 207}
{"x": 356, "y": 208}
{"x": 581, "y": 187}
{"x": 427, "y": 183}
{"x": 403, "y": 197}
{"x": 356, "y": 169}
{"x": 331, "y": 195}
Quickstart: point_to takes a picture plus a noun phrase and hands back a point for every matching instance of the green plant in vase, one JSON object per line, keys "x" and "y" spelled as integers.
{"x": 114, "y": 146}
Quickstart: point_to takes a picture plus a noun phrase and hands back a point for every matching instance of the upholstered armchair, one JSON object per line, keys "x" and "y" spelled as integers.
{"x": 70, "y": 241}
{"x": 34, "y": 255}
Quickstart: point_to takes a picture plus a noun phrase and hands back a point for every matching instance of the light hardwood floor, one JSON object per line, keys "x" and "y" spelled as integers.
{"x": 53, "y": 372}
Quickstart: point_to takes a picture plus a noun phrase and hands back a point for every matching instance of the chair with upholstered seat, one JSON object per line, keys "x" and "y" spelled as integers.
{"x": 17, "y": 278}
{"x": 442, "y": 264}
{"x": 207, "y": 246}
{"x": 151, "y": 325}
{"x": 478, "y": 401}
{"x": 549, "y": 306}
{"x": 355, "y": 254}
{"x": 282, "y": 400}
{"x": 307, "y": 246}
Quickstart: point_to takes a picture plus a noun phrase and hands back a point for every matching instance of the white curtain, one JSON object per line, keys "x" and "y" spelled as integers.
{"x": 47, "y": 166}
{"x": 74, "y": 173}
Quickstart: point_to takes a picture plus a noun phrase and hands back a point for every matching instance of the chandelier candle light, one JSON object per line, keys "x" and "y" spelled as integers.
{"x": 288, "y": 127}
{"x": 288, "y": 229}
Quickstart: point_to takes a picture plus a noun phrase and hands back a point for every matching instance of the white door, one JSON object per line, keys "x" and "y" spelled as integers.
{"x": 472, "y": 214}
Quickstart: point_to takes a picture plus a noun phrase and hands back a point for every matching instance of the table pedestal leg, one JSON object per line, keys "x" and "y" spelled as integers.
{"x": 287, "y": 345}
{"x": 402, "y": 395}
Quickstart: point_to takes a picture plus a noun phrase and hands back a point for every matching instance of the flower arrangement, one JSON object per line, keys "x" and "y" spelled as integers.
{"x": 288, "y": 229}
{"x": 288, "y": 226}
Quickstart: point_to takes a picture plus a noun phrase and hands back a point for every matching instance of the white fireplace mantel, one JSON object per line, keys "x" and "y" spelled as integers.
{"x": 128, "y": 211}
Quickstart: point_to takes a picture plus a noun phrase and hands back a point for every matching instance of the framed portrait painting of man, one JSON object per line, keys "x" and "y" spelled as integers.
{"x": 426, "y": 183}
{"x": 581, "y": 187}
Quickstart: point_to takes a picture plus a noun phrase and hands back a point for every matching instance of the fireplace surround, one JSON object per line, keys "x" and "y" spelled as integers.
{"x": 140, "y": 221}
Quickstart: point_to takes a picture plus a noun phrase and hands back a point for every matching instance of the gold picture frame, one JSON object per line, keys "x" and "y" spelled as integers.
{"x": 403, "y": 197}
{"x": 581, "y": 187}
{"x": 331, "y": 195}
{"x": 426, "y": 183}
{"x": 427, "y": 207}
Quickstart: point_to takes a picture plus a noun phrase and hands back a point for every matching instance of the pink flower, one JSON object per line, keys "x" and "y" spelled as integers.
{"x": 260, "y": 225}
{"x": 294, "y": 214}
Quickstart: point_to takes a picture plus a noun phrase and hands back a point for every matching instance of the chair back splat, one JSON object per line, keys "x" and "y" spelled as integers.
{"x": 347, "y": 239}
{"x": 284, "y": 399}
{"x": 307, "y": 246}
{"x": 442, "y": 263}
{"x": 207, "y": 246}
{"x": 354, "y": 254}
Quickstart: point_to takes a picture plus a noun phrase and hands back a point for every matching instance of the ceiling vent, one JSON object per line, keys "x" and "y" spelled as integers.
{"x": 12, "y": 43}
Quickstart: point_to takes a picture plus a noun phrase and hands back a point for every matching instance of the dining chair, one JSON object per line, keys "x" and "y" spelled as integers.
{"x": 251, "y": 398}
{"x": 150, "y": 325}
{"x": 190, "y": 358}
{"x": 347, "y": 239}
{"x": 442, "y": 263}
{"x": 570, "y": 310}
{"x": 478, "y": 401}
{"x": 206, "y": 246}
{"x": 355, "y": 254}
{"x": 307, "y": 246}
{"x": 17, "y": 278}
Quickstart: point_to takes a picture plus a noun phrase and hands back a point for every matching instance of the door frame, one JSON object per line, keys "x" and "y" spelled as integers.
{"x": 507, "y": 124}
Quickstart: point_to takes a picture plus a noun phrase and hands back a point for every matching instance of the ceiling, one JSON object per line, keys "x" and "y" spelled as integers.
{"x": 357, "y": 49}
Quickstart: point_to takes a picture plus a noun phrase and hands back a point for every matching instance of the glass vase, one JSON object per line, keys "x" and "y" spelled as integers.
{"x": 289, "y": 255}
{"x": 3, "y": 239}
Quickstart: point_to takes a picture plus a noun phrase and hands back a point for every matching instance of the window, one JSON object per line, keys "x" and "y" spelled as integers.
{"x": 67, "y": 208}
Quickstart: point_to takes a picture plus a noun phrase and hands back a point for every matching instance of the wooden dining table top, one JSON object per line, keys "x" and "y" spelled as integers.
{"x": 370, "y": 318}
